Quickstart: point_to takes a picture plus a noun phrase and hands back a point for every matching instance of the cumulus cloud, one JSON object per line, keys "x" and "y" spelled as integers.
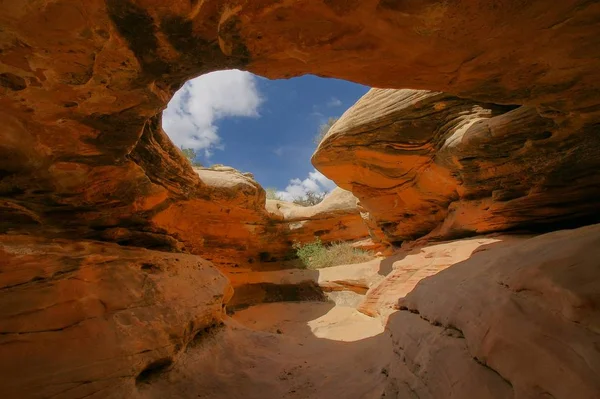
{"x": 278, "y": 151}
{"x": 334, "y": 102}
{"x": 315, "y": 182}
{"x": 191, "y": 116}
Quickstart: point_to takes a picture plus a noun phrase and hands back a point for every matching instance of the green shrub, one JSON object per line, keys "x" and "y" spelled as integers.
{"x": 311, "y": 198}
{"x": 316, "y": 255}
{"x": 323, "y": 130}
{"x": 272, "y": 193}
{"x": 190, "y": 154}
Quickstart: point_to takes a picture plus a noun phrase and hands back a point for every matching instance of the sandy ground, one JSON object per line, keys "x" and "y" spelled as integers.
{"x": 284, "y": 350}
{"x": 300, "y": 350}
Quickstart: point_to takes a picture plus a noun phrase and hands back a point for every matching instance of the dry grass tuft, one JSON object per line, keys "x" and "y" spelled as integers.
{"x": 316, "y": 255}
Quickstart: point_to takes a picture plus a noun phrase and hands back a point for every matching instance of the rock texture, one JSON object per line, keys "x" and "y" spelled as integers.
{"x": 407, "y": 267}
{"x": 84, "y": 318}
{"x": 336, "y": 218}
{"x": 83, "y": 157}
{"x": 82, "y": 87}
{"x": 428, "y": 163}
{"x": 516, "y": 320}
{"x": 251, "y": 288}
{"x": 284, "y": 351}
{"x": 228, "y": 225}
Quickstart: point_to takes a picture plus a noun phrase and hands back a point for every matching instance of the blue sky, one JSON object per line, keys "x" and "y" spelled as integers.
{"x": 258, "y": 125}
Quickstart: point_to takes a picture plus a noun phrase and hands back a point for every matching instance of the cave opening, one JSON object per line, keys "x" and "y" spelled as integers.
{"x": 268, "y": 128}
{"x": 106, "y": 287}
{"x": 234, "y": 125}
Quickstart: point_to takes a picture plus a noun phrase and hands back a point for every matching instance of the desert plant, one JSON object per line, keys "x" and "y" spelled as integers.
{"x": 309, "y": 199}
{"x": 190, "y": 154}
{"x": 316, "y": 255}
{"x": 272, "y": 194}
{"x": 323, "y": 129}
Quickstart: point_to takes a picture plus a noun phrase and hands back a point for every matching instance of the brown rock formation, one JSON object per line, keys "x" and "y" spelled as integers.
{"x": 83, "y": 86}
{"x": 336, "y": 218}
{"x": 429, "y": 163}
{"x": 83, "y": 317}
{"x": 407, "y": 267}
{"x": 83, "y": 156}
{"x": 251, "y": 288}
{"x": 232, "y": 227}
{"x": 519, "y": 319}
{"x": 228, "y": 225}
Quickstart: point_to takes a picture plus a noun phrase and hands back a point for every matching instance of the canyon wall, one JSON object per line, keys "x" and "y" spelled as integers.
{"x": 81, "y": 317}
{"x": 336, "y": 218}
{"x": 97, "y": 205}
{"x": 518, "y": 319}
{"x": 83, "y": 86}
{"x": 430, "y": 164}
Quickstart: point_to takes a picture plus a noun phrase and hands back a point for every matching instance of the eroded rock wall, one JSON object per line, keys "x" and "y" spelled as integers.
{"x": 336, "y": 218}
{"x": 82, "y": 317}
{"x": 83, "y": 156}
{"x": 430, "y": 164}
{"x": 82, "y": 87}
{"x": 517, "y": 319}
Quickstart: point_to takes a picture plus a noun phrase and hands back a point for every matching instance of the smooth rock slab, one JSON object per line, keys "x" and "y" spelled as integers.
{"x": 528, "y": 310}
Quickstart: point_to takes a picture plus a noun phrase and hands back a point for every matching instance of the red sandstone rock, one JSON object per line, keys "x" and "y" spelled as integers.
{"x": 84, "y": 317}
{"x": 427, "y": 163}
{"x": 336, "y": 218}
{"x": 82, "y": 87}
{"x": 407, "y": 267}
{"x": 83, "y": 156}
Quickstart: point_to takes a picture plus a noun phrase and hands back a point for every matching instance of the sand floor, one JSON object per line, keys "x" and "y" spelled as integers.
{"x": 284, "y": 350}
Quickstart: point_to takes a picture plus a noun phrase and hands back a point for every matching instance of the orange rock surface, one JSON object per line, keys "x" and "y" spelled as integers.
{"x": 507, "y": 317}
{"x": 336, "y": 218}
{"x": 428, "y": 163}
{"x": 407, "y": 267}
{"x": 80, "y": 317}
{"x": 83, "y": 159}
{"x": 82, "y": 87}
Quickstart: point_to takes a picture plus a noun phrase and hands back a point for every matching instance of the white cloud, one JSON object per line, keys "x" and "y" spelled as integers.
{"x": 316, "y": 182}
{"x": 278, "y": 151}
{"x": 334, "y": 102}
{"x": 190, "y": 117}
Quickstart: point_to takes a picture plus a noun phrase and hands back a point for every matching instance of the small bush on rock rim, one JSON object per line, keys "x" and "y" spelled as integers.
{"x": 316, "y": 255}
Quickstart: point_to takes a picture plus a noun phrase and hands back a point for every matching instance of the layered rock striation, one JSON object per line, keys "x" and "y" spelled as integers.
{"x": 428, "y": 163}
{"x": 82, "y": 88}
{"x": 81, "y": 318}
{"x": 84, "y": 161}
{"x": 336, "y": 218}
